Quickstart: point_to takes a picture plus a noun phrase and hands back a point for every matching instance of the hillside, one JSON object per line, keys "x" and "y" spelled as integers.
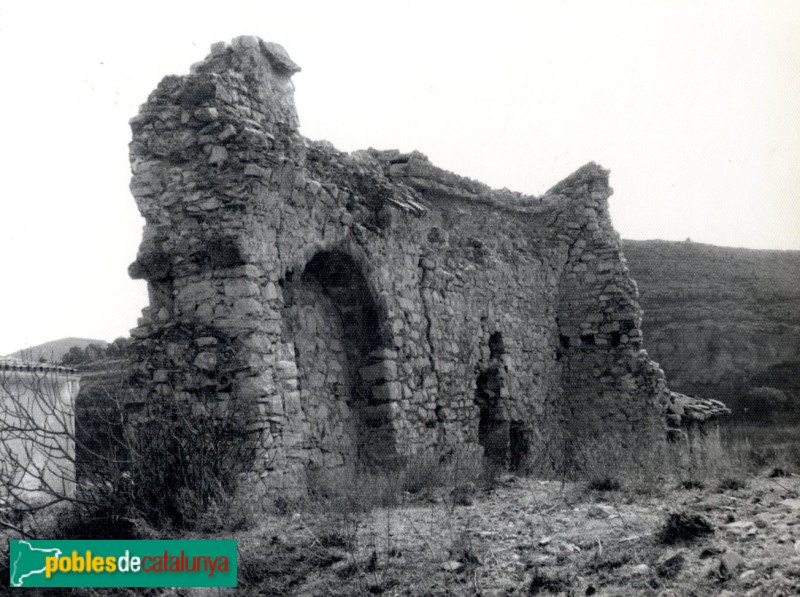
{"x": 54, "y": 351}
{"x": 720, "y": 320}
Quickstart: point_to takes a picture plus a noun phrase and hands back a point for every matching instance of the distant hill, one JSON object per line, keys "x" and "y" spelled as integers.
{"x": 54, "y": 351}
{"x": 719, "y": 320}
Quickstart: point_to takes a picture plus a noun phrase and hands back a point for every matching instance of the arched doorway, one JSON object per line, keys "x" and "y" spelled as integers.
{"x": 335, "y": 325}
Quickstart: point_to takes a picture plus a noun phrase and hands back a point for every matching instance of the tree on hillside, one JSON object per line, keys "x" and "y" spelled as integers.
{"x": 74, "y": 356}
{"x": 763, "y": 403}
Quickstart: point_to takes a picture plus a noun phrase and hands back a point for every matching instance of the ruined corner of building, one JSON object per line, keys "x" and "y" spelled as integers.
{"x": 363, "y": 307}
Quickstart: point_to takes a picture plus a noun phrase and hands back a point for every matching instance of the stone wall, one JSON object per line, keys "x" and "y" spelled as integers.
{"x": 367, "y": 306}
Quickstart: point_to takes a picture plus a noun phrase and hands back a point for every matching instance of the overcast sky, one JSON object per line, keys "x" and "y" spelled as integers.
{"x": 694, "y": 106}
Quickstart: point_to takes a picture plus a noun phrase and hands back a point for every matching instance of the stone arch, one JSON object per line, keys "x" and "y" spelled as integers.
{"x": 338, "y": 331}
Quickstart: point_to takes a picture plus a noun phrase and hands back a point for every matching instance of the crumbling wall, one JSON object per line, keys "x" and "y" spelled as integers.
{"x": 376, "y": 305}
{"x": 608, "y": 380}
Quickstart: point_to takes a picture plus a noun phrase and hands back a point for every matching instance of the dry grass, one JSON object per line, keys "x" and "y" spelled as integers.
{"x": 713, "y": 457}
{"x": 443, "y": 525}
{"x": 533, "y": 537}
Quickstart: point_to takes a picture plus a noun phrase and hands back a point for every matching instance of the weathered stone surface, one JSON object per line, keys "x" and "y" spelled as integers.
{"x": 671, "y": 566}
{"x": 372, "y": 305}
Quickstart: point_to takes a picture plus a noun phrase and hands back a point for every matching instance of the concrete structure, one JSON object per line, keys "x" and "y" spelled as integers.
{"x": 366, "y": 306}
{"x": 37, "y": 449}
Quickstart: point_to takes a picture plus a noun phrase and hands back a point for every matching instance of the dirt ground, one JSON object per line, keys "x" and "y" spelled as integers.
{"x": 529, "y": 537}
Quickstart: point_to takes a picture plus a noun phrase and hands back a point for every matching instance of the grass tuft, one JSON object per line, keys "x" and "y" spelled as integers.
{"x": 605, "y": 484}
{"x": 549, "y": 583}
{"x": 732, "y": 484}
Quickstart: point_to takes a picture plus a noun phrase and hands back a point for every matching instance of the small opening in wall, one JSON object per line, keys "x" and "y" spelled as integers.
{"x": 493, "y": 424}
{"x": 496, "y": 346}
{"x": 519, "y": 445}
{"x": 564, "y": 340}
{"x": 615, "y": 339}
{"x": 587, "y": 339}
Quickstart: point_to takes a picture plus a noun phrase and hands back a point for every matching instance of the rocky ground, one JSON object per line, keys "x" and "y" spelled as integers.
{"x": 528, "y": 537}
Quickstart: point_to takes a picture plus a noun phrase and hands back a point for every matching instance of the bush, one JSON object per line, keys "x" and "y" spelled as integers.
{"x": 189, "y": 462}
{"x": 605, "y": 484}
{"x": 682, "y": 527}
{"x": 172, "y": 462}
{"x": 550, "y": 583}
{"x": 764, "y": 403}
{"x": 732, "y": 483}
{"x": 691, "y": 484}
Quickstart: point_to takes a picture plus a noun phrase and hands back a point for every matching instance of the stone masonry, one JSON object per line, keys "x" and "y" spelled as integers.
{"x": 367, "y": 306}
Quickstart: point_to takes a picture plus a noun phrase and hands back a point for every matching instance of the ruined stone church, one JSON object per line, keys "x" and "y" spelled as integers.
{"x": 363, "y": 307}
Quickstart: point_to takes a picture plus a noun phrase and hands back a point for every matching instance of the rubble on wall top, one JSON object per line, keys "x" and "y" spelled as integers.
{"x": 415, "y": 170}
{"x": 279, "y": 58}
{"x": 586, "y": 174}
{"x": 275, "y": 53}
{"x": 408, "y": 178}
{"x": 696, "y": 410}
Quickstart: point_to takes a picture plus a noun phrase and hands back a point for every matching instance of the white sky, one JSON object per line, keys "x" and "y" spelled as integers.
{"x": 693, "y": 105}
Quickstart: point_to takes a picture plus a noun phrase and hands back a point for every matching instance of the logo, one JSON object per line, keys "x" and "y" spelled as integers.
{"x": 178, "y": 563}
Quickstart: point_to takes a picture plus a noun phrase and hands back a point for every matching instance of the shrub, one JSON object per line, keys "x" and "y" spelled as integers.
{"x": 691, "y": 484}
{"x": 732, "y": 483}
{"x": 174, "y": 462}
{"x": 605, "y": 483}
{"x": 462, "y": 549}
{"x": 542, "y": 582}
{"x": 422, "y": 472}
{"x": 764, "y": 403}
{"x": 683, "y": 527}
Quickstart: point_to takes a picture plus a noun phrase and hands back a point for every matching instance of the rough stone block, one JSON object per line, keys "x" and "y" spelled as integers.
{"x": 256, "y": 170}
{"x": 206, "y": 361}
{"x": 206, "y": 114}
{"x": 379, "y": 372}
{"x": 388, "y": 392}
{"x": 218, "y": 155}
{"x": 286, "y": 369}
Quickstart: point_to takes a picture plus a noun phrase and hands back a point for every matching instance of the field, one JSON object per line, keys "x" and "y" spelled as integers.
{"x": 735, "y": 532}
{"x": 530, "y": 537}
{"x": 724, "y": 520}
